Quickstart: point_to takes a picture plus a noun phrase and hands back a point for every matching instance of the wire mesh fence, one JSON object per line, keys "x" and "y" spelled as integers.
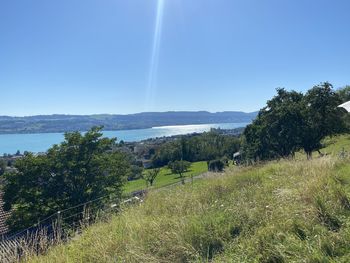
{"x": 59, "y": 227}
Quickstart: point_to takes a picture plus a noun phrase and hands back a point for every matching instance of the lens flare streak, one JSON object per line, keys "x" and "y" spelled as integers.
{"x": 153, "y": 72}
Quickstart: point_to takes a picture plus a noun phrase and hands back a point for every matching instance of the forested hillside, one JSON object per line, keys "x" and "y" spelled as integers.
{"x": 65, "y": 123}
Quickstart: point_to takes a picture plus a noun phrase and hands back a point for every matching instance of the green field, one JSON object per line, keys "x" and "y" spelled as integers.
{"x": 165, "y": 177}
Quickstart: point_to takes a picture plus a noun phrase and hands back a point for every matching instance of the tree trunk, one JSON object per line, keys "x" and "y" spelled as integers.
{"x": 309, "y": 155}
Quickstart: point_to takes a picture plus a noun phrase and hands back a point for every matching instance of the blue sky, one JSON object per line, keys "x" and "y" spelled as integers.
{"x": 108, "y": 56}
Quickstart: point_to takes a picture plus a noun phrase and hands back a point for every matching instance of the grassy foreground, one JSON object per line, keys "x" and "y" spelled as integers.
{"x": 285, "y": 211}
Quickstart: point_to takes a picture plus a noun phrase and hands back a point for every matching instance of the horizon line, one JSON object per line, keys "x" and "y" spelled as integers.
{"x": 125, "y": 114}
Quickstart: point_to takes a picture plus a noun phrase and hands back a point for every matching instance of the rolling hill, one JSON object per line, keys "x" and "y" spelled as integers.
{"x": 64, "y": 123}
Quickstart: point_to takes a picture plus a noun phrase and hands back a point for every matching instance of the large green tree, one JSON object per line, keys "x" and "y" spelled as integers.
{"x": 293, "y": 121}
{"x": 321, "y": 116}
{"x": 80, "y": 169}
{"x": 276, "y": 131}
{"x": 344, "y": 93}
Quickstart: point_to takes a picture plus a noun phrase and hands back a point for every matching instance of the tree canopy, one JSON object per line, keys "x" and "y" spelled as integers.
{"x": 292, "y": 121}
{"x": 150, "y": 176}
{"x": 207, "y": 146}
{"x": 179, "y": 167}
{"x": 80, "y": 169}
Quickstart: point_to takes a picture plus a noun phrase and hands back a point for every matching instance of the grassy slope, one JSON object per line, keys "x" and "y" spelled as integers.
{"x": 165, "y": 177}
{"x": 286, "y": 211}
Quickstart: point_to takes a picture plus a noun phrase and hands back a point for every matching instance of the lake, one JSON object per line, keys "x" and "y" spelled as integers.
{"x": 40, "y": 142}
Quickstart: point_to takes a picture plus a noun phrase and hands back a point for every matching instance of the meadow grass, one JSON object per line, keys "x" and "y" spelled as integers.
{"x": 331, "y": 146}
{"x": 283, "y": 211}
{"x": 336, "y": 144}
{"x": 166, "y": 177}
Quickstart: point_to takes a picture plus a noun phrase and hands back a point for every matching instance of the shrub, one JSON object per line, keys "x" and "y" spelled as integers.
{"x": 216, "y": 166}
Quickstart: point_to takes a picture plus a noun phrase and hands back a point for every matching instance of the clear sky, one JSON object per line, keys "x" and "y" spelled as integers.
{"x": 127, "y": 56}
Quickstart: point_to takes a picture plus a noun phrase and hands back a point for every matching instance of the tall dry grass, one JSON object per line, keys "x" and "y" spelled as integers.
{"x": 283, "y": 211}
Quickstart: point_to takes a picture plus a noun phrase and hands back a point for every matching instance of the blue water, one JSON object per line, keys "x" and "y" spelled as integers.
{"x": 40, "y": 142}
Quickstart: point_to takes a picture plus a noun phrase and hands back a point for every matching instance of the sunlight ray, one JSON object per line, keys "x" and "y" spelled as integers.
{"x": 154, "y": 62}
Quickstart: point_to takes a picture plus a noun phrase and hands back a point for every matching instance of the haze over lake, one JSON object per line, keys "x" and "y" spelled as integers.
{"x": 40, "y": 142}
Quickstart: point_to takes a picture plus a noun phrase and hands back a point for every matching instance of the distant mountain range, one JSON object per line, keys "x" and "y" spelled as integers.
{"x": 64, "y": 123}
